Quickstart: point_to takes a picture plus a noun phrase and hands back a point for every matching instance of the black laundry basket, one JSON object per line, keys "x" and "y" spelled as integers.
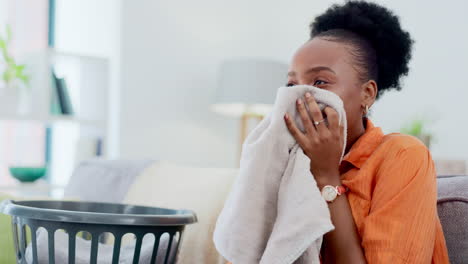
{"x": 95, "y": 218}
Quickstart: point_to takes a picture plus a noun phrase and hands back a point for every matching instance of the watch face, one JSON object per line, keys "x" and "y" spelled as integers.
{"x": 329, "y": 193}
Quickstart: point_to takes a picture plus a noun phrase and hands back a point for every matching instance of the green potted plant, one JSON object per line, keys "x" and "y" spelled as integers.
{"x": 14, "y": 81}
{"x": 13, "y": 73}
{"x": 418, "y": 128}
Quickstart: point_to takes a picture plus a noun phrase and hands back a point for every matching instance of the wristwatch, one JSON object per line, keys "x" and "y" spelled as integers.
{"x": 329, "y": 193}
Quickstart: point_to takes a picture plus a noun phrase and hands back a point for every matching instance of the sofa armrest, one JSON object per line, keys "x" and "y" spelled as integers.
{"x": 452, "y": 205}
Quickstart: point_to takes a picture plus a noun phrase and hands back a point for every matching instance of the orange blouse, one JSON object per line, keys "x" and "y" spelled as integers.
{"x": 393, "y": 198}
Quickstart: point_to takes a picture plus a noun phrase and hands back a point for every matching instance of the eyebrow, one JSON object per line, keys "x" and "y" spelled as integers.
{"x": 314, "y": 69}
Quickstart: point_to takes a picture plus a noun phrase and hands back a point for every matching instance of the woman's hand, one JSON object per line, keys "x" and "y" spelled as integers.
{"x": 323, "y": 145}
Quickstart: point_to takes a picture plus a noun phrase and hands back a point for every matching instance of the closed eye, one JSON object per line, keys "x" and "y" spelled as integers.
{"x": 317, "y": 82}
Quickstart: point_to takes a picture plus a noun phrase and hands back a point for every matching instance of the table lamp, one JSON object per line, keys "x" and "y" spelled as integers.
{"x": 247, "y": 88}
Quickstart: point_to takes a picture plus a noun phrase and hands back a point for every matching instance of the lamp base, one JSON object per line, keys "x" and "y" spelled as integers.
{"x": 244, "y": 128}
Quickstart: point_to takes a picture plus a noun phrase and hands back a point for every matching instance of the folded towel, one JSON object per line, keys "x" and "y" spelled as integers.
{"x": 275, "y": 213}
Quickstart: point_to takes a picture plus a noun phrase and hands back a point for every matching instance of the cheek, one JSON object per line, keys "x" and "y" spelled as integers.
{"x": 350, "y": 96}
{"x": 351, "y": 104}
{"x": 352, "y": 116}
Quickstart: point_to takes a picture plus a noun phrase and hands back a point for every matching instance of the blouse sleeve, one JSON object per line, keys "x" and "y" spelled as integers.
{"x": 400, "y": 226}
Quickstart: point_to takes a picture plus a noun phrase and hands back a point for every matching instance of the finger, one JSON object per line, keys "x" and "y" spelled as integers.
{"x": 315, "y": 113}
{"x": 342, "y": 132}
{"x": 333, "y": 119}
{"x": 301, "y": 108}
{"x": 295, "y": 132}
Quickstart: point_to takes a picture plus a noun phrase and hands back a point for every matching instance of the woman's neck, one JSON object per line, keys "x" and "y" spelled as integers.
{"x": 354, "y": 133}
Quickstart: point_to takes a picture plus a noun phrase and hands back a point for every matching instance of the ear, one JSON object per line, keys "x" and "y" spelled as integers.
{"x": 368, "y": 93}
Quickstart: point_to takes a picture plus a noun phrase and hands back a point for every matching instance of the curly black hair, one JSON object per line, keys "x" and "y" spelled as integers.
{"x": 380, "y": 47}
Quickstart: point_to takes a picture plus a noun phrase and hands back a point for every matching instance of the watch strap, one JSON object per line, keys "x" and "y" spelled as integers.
{"x": 340, "y": 189}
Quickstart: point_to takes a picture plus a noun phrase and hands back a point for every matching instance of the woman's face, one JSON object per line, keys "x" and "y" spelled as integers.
{"x": 328, "y": 65}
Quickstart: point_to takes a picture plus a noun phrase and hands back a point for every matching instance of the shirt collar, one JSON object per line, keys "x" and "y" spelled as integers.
{"x": 364, "y": 145}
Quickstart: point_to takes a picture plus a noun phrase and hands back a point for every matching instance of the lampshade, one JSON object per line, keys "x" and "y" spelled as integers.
{"x": 248, "y": 85}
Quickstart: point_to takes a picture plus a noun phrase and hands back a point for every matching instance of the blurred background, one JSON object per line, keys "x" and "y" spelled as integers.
{"x": 157, "y": 79}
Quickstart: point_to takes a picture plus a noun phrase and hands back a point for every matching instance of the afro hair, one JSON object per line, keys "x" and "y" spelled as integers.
{"x": 387, "y": 46}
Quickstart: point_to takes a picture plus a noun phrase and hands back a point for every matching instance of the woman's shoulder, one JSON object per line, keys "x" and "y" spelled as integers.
{"x": 398, "y": 148}
{"x": 397, "y": 142}
{"x": 402, "y": 155}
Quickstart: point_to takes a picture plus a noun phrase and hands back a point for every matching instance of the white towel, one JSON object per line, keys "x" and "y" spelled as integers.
{"x": 275, "y": 213}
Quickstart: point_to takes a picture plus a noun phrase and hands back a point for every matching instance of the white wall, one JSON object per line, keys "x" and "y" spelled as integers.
{"x": 29, "y": 25}
{"x": 437, "y": 86}
{"x": 170, "y": 52}
{"x": 88, "y": 27}
{"x": 3, "y": 12}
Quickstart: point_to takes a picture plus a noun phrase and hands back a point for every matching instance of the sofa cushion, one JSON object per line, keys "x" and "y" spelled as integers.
{"x": 452, "y": 205}
{"x": 203, "y": 190}
{"x": 104, "y": 180}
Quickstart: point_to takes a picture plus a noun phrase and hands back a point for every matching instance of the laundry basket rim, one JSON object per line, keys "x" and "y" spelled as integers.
{"x": 36, "y": 209}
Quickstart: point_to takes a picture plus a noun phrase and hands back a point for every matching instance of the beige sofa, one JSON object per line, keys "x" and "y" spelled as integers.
{"x": 166, "y": 184}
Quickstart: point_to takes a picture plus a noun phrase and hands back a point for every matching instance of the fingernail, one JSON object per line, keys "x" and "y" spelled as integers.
{"x": 299, "y": 101}
{"x": 286, "y": 116}
{"x": 307, "y": 95}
